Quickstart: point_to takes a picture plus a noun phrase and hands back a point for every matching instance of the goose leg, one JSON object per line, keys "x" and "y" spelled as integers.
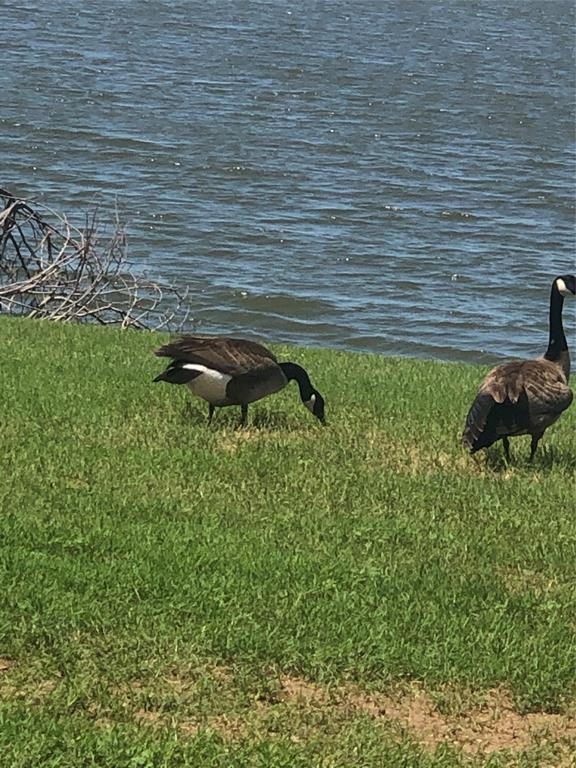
{"x": 506, "y": 444}
{"x": 244, "y": 418}
{"x": 534, "y": 445}
{"x": 211, "y": 409}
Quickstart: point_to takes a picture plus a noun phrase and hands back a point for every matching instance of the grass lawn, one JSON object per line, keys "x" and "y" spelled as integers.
{"x": 360, "y": 595}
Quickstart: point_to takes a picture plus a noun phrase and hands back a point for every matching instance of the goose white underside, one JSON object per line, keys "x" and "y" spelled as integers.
{"x": 210, "y": 385}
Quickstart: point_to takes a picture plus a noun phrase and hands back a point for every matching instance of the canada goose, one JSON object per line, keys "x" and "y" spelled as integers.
{"x": 226, "y": 371}
{"x": 525, "y": 397}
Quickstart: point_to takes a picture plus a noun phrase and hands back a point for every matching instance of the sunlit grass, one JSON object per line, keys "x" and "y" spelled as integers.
{"x": 139, "y": 546}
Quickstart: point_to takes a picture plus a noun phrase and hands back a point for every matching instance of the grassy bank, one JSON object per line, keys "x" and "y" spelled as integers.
{"x": 286, "y": 595}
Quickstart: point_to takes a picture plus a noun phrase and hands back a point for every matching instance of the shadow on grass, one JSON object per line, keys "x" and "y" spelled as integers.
{"x": 279, "y": 420}
{"x": 496, "y": 460}
{"x": 195, "y": 414}
{"x": 229, "y": 418}
{"x": 547, "y": 458}
{"x": 553, "y": 457}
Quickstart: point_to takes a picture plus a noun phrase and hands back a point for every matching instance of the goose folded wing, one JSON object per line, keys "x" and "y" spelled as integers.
{"x": 548, "y": 392}
{"x": 502, "y": 384}
{"x": 227, "y": 355}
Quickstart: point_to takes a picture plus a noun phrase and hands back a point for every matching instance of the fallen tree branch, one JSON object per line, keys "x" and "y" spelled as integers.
{"x": 51, "y": 269}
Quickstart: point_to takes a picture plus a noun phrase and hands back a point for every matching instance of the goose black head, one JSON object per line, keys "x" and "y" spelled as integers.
{"x": 315, "y": 405}
{"x": 566, "y": 285}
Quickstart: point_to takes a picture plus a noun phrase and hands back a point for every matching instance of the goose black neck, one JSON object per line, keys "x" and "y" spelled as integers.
{"x": 557, "y": 342}
{"x": 298, "y": 374}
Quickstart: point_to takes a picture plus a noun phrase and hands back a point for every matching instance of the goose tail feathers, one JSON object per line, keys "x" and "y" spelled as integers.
{"x": 168, "y": 350}
{"x": 177, "y": 375}
{"x": 474, "y": 436}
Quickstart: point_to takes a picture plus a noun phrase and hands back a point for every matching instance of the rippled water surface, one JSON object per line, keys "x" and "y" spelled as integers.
{"x": 396, "y": 177}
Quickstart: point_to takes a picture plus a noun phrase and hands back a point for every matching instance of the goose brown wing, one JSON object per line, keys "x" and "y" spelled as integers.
{"x": 502, "y": 384}
{"x": 547, "y": 391}
{"x": 505, "y": 382}
{"x": 222, "y": 353}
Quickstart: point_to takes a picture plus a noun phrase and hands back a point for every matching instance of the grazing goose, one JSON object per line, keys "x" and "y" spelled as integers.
{"x": 527, "y": 396}
{"x": 226, "y": 371}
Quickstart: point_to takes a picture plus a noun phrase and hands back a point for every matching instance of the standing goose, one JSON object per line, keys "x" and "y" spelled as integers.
{"x": 225, "y": 371}
{"x": 525, "y": 397}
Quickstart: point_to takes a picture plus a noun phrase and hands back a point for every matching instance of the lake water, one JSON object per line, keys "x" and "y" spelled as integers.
{"x": 395, "y": 177}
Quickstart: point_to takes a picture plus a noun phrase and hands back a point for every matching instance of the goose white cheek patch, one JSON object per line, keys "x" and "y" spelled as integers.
{"x": 310, "y": 403}
{"x": 561, "y": 285}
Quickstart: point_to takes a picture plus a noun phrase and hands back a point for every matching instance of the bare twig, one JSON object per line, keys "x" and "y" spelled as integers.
{"x": 51, "y": 269}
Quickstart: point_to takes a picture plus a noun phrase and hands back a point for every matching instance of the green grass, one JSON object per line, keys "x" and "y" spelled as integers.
{"x": 175, "y": 594}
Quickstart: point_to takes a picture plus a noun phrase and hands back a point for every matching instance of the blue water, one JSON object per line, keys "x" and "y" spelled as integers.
{"x": 396, "y": 177}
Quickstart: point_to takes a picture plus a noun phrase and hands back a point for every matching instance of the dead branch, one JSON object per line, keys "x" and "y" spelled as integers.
{"x": 51, "y": 269}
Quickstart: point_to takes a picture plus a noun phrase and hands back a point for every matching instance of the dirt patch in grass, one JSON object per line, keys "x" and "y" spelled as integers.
{"x": 491, "y": 727}
{"x": 407, "y": 455}
{"x": 230, "y": 442}
{"x": 33, "y": 693}
{"x": 25, "y": 682}
{"x": 413, "y": 458}
{"x": 148, "y": 717}
{"x": 295, "y": 689}
{"x": 229, "y": 727}
{"x": 261, "y": 705}
{"x": 296, "y": 708}
{"x": 518, "y": 581}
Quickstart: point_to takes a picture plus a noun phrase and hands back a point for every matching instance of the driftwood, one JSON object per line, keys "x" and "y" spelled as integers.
{"x": 52, "y": 269}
